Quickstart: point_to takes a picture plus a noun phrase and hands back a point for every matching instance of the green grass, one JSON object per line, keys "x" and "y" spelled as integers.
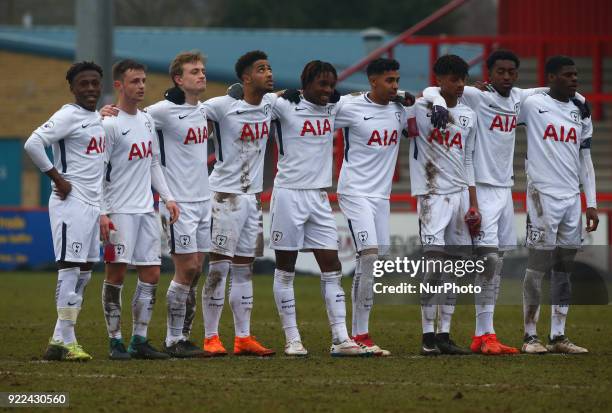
{"x": 404, "y": 382}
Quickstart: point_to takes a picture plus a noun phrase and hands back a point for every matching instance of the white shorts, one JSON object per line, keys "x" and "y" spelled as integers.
{"x": 139, "y": 238}
{"x": 553, "y": 222}
{"x": 236, "y": 225}
{"x": 368, "y": 221}
{"x": 302, "y": 219}
{"x": 75, "y": 228}
{"x": 191, "y": 232}
{"x": 442, "y": 220}
{"x": 497, "y": 210}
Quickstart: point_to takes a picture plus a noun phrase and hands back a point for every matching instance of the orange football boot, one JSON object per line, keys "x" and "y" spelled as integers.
{"x": 249, "y": 346}
{"x": 214, "y": 346}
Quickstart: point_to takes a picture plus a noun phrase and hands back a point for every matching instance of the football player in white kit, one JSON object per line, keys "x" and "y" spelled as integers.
{"x": 76, "y": 135}
{"x": 241, "y": 132}
{"x": 442, "y": 179}
{"x": 372, "y": 125}
{"x": 301, "y": 216}
{"x": 558, "y": 160}
{"x": 132, "y": 167}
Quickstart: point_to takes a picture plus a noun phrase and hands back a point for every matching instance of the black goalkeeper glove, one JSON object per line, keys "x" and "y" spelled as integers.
{"x": 585, "y": 110}
{"x": 292, "y": 95}
{"x": 335, "y": 97}
{"x": 236, "y": 91}
{"x": 175, "y": 95}
{"x": 439, "y": 116}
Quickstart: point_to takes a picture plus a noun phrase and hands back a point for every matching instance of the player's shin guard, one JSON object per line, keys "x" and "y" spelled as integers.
{"x": 485, "y": 300}
{"x": 532, "y": 291}
{"x": 285, "y": 303}
{"x": 561, "y": 295}
{"x": 190, "y": 306}
{"x": 429, "y": 301}
{"x": 333, "y": 294}
{"x": 142, "y": 307}
{"x": 363, "y": 295}
{"x": 68, "y": 303}
{"x": 241, "y": 298}
{"x": 213, "y": 296}
{"x": 176, "y": 299}
{"x": 111, "y": 303}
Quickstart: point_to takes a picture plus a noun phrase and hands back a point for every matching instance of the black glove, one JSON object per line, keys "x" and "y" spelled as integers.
{"x": 439, "y": 116}
{"x": 292, "y": 95}
{"x": 405, "y": 99}
{"x": 236, "y": 91}
{"x": 585, "y": 110}
{"x": 335, "y": 97}
{"x": 175, "y": 95}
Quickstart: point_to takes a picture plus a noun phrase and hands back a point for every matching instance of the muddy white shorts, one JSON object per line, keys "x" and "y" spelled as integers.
{"x": 368, "y": 221}
{"x": 191, "y": 232}
{"x": 497, "y": 210}
{"x": 236, "y": 225}
{"x": 138, "y": 238}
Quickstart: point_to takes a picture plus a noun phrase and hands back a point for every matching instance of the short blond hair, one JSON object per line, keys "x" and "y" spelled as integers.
{"x": 176, "y": 67}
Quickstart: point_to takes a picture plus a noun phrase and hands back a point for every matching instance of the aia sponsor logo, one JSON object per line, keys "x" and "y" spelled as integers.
{"x": 97, "y": 145}
{"x": 196, "y": 135}
{"x": 444, "y": 138}
{"x": 316, "y": 128}
{"x": 383, "y": 138}
{"x": 254, "y": 131}
{"x": 141, "y": 150}
{"x": 560, "y": 134}
{"x": 503, "y": 123}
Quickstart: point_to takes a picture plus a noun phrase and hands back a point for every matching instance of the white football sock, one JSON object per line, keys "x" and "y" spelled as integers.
{"x": 190, "y": 307}
{"x": 532, "y": 290}
{"x": 142, "y": 307}
{"x": 333, "y": 294}
{"x": 428, "y": 318}
{"x": 354, "y": 289}
{"x": 111, "y": 304}
{"x": 176, "y": 299}
{"x": 241, "y": 298}
{"x": 213, "y": 296}
{"x": 485, "y": 300}
{"x": 68, "y": 303}
{"x": 285, "y": 303}
{"x": 558, "y": 315}
{"x": 363, "y": 296}
{"x": 445, "y": 316}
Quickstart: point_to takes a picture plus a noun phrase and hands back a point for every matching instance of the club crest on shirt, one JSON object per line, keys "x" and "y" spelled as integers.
{"x": 203, "y": 112}
{"x": 398, "y": 116}
{"x": 517, "y": 107}
{"x": 464, "y": 121}
{"x": 148, "y": 125}
{"x": 575, "y": 116}
{"x": 266, "y": 109}
{"x": 363, "y": 236}
{"x": 277, "y": 236}
{"x": 49, "y": 124}
{"x": 330, "y": 108}
{"x": 76, "y": 248}
{"x": 185, "y": 240}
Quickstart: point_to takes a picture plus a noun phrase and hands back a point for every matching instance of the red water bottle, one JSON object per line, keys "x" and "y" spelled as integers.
{"x": 472, "y": 219}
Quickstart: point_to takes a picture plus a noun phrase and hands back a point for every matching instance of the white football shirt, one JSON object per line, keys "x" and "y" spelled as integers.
{"x": 131, "y": 145}
{"x": 441, "y": 159}
{"x": 372, "y": 133}
{"x": 555, "y": 132}
{"x": 78, "y": 142}
{"x": 182, "y": 133}
{"x": 241, "y": 134}
{"x": 304, "y": 137}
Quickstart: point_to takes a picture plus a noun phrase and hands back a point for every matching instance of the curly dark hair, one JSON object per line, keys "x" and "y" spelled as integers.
{"x": 79, "y": 67}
